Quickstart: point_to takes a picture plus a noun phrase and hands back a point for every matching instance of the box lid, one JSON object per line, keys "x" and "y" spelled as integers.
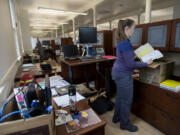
{"x": 156, "y": 64}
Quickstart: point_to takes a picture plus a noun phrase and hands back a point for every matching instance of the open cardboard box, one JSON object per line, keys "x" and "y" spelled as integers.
{"x": 157, "y": 72}
{"x": 14, "y": 125}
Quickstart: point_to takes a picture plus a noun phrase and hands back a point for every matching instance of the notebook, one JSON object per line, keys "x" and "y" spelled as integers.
{"x": 146, "y": 52}
{"x": 171, "y": 85}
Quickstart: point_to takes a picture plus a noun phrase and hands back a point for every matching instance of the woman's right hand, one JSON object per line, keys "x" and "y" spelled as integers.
{"x": 149, "y": 62}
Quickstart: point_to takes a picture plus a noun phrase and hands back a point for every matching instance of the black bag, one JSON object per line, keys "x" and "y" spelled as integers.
{"x": 101, "y": 105}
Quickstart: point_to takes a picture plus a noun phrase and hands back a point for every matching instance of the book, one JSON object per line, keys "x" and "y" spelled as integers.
{"x": 171, "y": 85}
{"x": 108, "y": 57}
{"x": 146, "y": 52}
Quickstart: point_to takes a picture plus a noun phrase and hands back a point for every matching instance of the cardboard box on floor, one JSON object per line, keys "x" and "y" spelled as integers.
{"x": 40, "y": 125}
{"x": 157, "y": 72}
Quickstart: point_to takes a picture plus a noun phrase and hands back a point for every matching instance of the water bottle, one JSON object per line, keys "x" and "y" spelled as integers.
{"x": 72, "y": 98}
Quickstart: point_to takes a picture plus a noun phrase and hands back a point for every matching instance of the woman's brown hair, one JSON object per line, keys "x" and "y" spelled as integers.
{"x": 120, "y": 30}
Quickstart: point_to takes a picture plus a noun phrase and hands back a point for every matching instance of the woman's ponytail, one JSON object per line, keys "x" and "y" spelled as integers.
{"x": 120, "y": 34}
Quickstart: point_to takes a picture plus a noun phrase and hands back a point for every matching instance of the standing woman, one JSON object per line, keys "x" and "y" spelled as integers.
{"x": 122, "y": 74}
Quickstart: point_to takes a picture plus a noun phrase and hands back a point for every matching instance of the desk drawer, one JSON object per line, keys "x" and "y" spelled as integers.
{"x": 166, "y": 123}
{"x": 163, "y": 99}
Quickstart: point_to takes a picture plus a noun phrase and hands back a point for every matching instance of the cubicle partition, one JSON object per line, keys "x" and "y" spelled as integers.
{"x": 158, "y": 34}
{"x": 175, "y": 36}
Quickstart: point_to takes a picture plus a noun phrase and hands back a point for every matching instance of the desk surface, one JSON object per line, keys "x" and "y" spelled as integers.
{"x": 81, "y": 105}
{"x": 79, "y": 62}
{"x": 36, "y": 71}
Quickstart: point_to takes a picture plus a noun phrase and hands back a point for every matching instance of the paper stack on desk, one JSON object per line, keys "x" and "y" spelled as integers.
{"x": 57, "y": 81}
{"x": 171, "y": 85}
{"x": 63, "y": 101}
{"x": 54, "y": 92}
{"x": 28, "y": 65}
{"x": 146, "y": 52}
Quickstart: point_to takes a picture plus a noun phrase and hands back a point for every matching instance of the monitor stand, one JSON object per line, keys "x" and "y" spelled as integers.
{"x": 87, "y": 50}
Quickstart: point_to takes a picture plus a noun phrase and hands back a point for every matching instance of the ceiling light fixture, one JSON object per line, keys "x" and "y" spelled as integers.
{"x": 58, "y": 11}
{"x": 41, "y": 30}
{"x": 43, "y": 27}
{"x": 47, "y": 21}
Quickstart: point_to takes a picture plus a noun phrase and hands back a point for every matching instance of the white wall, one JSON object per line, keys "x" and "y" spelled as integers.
{"x": 176, "y": 10}
{"x": 8, "y": 55}
{"x": 26, "y": 38}
{"x": 33, "y": 42}
{"x": 18, "y": 28}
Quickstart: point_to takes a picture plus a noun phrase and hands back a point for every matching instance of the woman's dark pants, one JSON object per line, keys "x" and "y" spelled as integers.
{"x": 124, "y": 84}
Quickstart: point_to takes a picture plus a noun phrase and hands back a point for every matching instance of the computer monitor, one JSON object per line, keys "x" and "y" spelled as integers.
{"x": 87, "y": 35}
{"x": 46, "y": 42}
{"x": 70, "y": 51}
{"x": 58, "y": 41}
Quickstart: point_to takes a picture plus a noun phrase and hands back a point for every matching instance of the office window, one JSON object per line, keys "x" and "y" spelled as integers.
{"x": 99, "y": 38}
{"x": 103, "y": 26}
{"x": 114, "y": 24}
{"x": 58, "y": 41}
{"x": 33, "y": 41}
{"x": 14, "y": 28}
{"x": 159, "y": 15}
{"x": 77, "y": 35}
{"x": 66, "y": 35}
{"x": 71, "y": 34}
{"x": 177, "y": 37}
{"x": 157, "y": 35}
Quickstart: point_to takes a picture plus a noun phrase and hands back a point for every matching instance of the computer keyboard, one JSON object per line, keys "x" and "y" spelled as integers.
{"x": 73, "y": 58}
{"x": 90, "y": 58}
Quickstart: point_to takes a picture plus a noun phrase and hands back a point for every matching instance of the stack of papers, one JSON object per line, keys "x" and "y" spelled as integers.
{"x": 63, "y": 101}
{"x": 57, "y": 81}
{"x": 171, "y": 85}
{"x": 56, "y": 77}
{"x": 54, "y": 92}
{"x": 28, "y": 65}
{"x": 146, "y": 52}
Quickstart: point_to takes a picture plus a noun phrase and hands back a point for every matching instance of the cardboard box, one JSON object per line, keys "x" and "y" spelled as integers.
{"x": 40, "y": 125}
{"x": 157, "y": 72}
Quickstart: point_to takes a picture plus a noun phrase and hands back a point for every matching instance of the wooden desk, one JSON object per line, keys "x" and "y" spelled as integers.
{"x": 97, "y": 129}
{"x": 77, "y": 71}
{"x": 36, "y": 71}
{"x": 158, "y": 106}
{"x": 31, "y": 59}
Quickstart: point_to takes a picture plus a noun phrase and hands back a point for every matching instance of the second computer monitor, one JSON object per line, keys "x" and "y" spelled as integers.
{"x": 46, "y": 42}
{"x": 70, "y": 51}
{"x": 87, "y": 35}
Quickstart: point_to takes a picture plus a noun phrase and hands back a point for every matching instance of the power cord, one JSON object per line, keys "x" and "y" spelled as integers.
{"x": 11, "y": 113}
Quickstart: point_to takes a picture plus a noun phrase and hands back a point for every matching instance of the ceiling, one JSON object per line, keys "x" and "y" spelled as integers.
{"x": 106, "y": 10}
